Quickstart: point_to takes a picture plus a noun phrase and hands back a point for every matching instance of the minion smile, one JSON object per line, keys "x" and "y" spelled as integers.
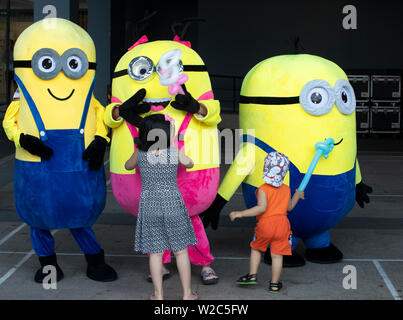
{"x": 337, "y": 143}
{"x": 157, "y": 104}
{"x": 61, "y": 99}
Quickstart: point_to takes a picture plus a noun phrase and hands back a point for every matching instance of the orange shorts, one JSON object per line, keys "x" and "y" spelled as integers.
{"x": 274, "y": 231}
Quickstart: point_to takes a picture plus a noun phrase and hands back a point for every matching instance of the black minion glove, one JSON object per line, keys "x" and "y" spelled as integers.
{"x": 361, "y": 193}
{"x": 95, "y": 152}
{"x": 35, "y": 146}
{"x": 212, "y": 214}
{"x": 186, "y": 102}
{"x": 131, "y": 108}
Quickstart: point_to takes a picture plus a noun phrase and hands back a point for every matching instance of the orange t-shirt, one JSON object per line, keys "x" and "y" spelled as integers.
{"x": 277, "y": 200}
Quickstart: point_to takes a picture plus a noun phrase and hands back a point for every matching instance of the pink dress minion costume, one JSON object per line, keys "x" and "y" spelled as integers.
{"x": 167, "y": 77}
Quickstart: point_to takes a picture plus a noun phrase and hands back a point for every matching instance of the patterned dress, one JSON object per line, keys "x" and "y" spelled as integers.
{"x": 163, "y": 222}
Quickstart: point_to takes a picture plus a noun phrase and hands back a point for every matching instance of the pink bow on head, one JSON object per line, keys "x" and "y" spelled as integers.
{"x": 143, "y": 39}
{"x": 186, "y": 43}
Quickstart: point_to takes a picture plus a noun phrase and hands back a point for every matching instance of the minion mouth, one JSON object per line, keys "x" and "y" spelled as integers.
{"x": 157, "y": 104}
{"x": 338, "y": 142}
{"x": 61, "y": 99}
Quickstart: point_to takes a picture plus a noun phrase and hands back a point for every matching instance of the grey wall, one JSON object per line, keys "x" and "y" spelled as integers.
{"x": 67, "y": 9}
{"x": 239, "y": 34}
{"x": 99, "y": 28}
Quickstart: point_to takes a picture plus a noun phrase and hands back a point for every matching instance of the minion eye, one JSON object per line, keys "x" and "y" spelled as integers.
{"x": 317, "y": 97}
{"x": 345, "y": 97}
{"x": 45, "y": 63}
{"x": 140, "y": 68}
{"x": 75, "y": 63}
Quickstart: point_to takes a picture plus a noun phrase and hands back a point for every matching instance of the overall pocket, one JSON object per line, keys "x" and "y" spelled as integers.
{"x": 68, "y": 146}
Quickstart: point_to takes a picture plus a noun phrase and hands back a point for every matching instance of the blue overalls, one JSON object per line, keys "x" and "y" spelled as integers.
{"x": 328, "y": 200}
{"x": 60, "y": 192}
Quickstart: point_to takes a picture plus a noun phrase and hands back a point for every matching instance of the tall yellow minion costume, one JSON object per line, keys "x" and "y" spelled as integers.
{"x": 292, "y": 102}
{"x": 60, "y": 138}
{"x": 138, "y": 88}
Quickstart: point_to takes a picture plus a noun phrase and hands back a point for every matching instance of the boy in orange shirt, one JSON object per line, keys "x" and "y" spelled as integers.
{"x": 273, "y": 227}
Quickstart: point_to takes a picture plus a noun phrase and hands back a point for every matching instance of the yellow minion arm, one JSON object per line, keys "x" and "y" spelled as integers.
{"x": 101, "y": 129}
{"x": 10, "y": 123}
{"x": 243, "y": 165}
{"x": 358, "y": 176}
{"x": 213, "y": 112}
{"x": 108, "y": 119}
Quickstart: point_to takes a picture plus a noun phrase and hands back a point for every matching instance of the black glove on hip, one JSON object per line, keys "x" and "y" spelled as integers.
{"x": 361, "y": 193}
{"x": 185, "y": 102}
{"x": 212, "y": 214}
{"x": 35, "y": 146}
{"x": 95, "y": 153}
{"x": 131, "y": 108}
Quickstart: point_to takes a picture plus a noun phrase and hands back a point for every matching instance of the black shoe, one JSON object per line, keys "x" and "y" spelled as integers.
{"x": 98, "y": 270}
{"x": 275, "y": 287}
{"x": 295, "y": 260}
{"x": 48, "y": 261}
{"x": 326, "y": 255}
{"x": 247, "y": 279}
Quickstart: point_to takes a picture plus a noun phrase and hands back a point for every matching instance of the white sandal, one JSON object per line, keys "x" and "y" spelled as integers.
{"x": 209, "y": 276}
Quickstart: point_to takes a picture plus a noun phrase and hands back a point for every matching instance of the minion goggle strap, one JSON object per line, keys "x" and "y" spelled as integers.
{"x": 269, "y": 100}
{"x": 317, "y": 98}
{"x": 46, "y": 63}
{"x": 140, "y": 68}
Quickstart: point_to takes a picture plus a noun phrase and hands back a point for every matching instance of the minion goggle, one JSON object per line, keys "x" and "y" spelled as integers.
{"x": 46, "y": 63}
{"x": 317, "y": 97}
{"x": 141, "y": 68}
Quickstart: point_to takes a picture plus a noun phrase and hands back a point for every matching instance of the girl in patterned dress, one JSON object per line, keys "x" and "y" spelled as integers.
{"x": 163, "y": 222}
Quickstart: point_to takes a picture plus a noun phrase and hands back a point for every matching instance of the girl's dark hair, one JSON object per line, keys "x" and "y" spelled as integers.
{"x": 162, "y": 136}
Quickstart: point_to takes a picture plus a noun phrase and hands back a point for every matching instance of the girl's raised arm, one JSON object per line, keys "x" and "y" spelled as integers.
{"x": 184, "y": 160}
{"x": 132, "y": 162}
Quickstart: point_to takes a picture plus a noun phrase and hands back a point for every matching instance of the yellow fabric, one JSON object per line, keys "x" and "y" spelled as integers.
{"x": 201, "y": 138}
{"x": 108, "y": 119}
{"x": 55, "y": 33}
{"x": 289, "y": 128}
{"x": 358, "y": 177}
{"x": 59, "y": 35}
{"x": 242, "y": 167}
{"x": 10, "y": 123}
{"x": 101, "y": 128}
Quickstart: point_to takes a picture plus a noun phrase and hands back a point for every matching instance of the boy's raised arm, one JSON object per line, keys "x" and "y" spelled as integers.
{"x": 295, "y": 198}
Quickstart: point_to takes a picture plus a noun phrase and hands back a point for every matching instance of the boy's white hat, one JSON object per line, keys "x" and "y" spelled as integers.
{"x": 276, "y": 166}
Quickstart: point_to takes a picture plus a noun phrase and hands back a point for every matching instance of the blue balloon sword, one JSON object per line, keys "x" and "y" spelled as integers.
{"x": 322, "y": 149}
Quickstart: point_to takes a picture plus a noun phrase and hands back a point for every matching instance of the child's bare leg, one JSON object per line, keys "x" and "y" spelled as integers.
{"x": 156, "y": 274}
{"x": 276, "y": 267}
{"x": 254, "y": 261}
{"x": 183, "y": 265}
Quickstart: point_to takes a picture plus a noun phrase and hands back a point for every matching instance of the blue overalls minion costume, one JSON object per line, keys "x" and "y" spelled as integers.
{"x": 60, "y": 138}
{"x": 288, "y": 103}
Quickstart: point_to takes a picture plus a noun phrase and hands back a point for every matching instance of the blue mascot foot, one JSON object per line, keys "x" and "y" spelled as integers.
{"x": 98, "y": 270}
{"x": 48, "y": 261}
{"x": 325, "y": 255}
{"x": 295, "y": 260}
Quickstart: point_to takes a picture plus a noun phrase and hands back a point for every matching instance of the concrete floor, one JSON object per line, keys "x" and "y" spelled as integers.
{"x": 371, "y": 240}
